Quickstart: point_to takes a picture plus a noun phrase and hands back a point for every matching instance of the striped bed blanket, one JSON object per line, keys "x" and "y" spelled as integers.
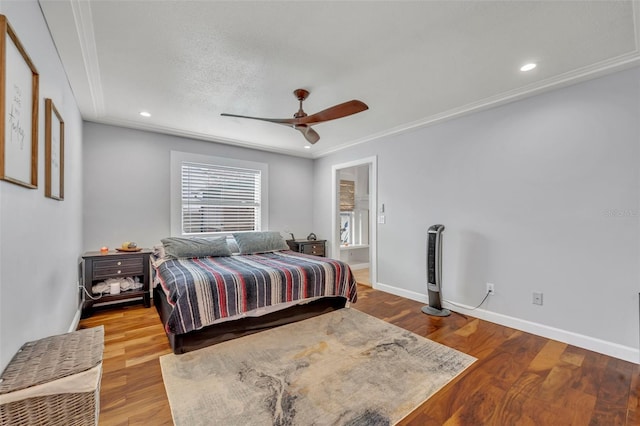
{"x": 206, "y": 290}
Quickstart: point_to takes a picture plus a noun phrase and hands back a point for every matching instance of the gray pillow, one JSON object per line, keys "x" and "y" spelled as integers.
{"x": 260, "y": 242}
{"x": 177, "y": 247}
{"x": 233, "y": 246}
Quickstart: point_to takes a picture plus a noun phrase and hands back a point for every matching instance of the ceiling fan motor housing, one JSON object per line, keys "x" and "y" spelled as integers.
{"x": 301, "y": 95}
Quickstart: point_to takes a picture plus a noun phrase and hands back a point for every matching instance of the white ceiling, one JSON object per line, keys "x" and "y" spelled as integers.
{"x": 413, "y": 63}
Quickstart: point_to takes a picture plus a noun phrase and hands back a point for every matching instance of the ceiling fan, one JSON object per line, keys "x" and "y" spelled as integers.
{"x": 303, "y": 122}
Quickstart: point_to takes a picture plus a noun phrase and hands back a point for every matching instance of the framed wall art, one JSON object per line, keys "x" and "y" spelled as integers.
{"x": 18, "y": 111}
{"x": 53, "y": 152}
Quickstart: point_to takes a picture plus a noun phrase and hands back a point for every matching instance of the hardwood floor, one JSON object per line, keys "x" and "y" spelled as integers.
{"x": 362, "y": 276}
{"x": 519, "y": 378}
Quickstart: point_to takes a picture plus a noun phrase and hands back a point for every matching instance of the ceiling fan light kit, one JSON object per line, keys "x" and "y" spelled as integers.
{"x": 302, "y": 122}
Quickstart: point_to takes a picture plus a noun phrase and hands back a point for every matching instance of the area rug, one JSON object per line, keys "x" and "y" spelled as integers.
{"x": 340, "y": 368}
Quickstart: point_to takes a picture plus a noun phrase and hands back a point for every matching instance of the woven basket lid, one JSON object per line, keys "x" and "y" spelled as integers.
{"x": 53, "y": 358}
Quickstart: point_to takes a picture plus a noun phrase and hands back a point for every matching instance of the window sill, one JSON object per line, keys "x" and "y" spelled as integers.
{"x": 354, "y": 246}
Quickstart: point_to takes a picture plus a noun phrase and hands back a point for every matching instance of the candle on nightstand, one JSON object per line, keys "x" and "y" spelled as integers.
{"x": 104, "y": 249}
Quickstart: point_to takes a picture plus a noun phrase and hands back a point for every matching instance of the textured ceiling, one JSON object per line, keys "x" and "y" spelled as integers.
{"x": 413, "y": 63}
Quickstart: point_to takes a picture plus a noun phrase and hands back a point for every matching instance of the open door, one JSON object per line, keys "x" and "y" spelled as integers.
{"x": 354, "y": 211}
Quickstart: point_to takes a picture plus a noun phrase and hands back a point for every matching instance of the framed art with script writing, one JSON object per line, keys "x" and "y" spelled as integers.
{"x": 53, "y": 152}
{"x": 18, "y": 111}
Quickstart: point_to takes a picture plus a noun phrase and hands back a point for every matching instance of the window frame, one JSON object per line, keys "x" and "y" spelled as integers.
{"x": 178, "y": 158}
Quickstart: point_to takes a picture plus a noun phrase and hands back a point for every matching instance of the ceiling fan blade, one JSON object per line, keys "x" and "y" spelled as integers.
{"x": 289, "y": 121}
{"x": 337, "y": 111}
{"x": 310, "y": 135}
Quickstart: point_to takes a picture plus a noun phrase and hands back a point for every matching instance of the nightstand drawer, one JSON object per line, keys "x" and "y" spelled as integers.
{"x": 118, "y": 267}
{"x": 315, "y": 249}
{"x": 118, "y": 262}
{"x": 124, "y": 271}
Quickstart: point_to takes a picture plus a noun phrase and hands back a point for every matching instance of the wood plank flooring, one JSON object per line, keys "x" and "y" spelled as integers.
{"x": 362, "y": 276}
{"x": 519, "y": 378}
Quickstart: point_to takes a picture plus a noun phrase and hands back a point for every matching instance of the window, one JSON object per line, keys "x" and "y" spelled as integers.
{"x": 347, "y": 195}
{"x": 213, "y": 195}
{"x": 219, "y": 199}
{"x": 346, "y": 228}
{"x": 347, "y": 206}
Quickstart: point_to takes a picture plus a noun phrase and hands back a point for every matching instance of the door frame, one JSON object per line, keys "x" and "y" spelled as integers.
{"x": 372, "y": 162}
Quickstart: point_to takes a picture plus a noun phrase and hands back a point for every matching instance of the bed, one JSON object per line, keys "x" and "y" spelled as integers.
{"x": 204, "y": 300}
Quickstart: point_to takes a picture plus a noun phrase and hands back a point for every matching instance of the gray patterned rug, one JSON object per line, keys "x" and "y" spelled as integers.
{"x": 340, "y": 368}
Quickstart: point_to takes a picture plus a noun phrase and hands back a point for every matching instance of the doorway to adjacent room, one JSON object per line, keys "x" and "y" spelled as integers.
{"x": 354, "y": 201}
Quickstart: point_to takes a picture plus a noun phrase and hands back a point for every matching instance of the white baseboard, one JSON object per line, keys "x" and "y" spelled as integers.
{"x": 357, "y": 266}
{"x": 407, "y": 294}
{"x": 76, "y": 320}
{"x": 615, "y": 350}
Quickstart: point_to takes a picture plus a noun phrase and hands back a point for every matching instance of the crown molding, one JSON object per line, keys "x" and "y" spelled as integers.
{"x": 600, "y": 69}
{"x": 83, "y": 19}
{"x": 165, "y": 130}
{"x": 583, "y": 74}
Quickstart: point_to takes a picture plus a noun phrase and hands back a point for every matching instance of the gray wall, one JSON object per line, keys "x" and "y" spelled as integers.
{"x": 40, "y": 238}
{"x": 537, "y": 195}
{"x": 126, "y": 188}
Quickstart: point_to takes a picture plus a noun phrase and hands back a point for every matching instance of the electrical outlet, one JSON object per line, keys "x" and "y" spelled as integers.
{"x": 537, "y": 298}
{"x": 490, "y": 289}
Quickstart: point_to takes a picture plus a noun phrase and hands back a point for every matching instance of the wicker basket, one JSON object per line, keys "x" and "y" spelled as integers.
{"x": 54, "y": 381}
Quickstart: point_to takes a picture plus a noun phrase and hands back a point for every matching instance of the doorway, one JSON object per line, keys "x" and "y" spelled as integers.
{"x": 354, "y": 206}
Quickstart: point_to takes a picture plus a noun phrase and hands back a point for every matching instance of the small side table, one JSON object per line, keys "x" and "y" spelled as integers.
{"x": 99, "y": 266}
{"x": 314, "y": 247}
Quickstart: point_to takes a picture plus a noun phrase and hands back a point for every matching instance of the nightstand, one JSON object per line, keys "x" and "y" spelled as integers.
{"x": 97, "y": 267}
{"x": 314, "y": 247}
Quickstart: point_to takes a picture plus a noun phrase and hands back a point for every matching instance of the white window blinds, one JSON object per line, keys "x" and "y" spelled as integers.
{"x": 219, "y": 198}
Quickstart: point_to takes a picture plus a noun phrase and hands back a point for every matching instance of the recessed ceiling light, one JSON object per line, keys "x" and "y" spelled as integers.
{"x": 145, "y": 114}
{"x": 307, "y": 147}
{"x": 528, "y": 67}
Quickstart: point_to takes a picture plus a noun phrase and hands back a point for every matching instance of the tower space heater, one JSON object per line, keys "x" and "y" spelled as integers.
{"x": 434, "y": 272}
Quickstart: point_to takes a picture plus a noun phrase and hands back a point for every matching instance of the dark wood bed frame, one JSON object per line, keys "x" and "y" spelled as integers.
{"x": 207, "y": 336}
